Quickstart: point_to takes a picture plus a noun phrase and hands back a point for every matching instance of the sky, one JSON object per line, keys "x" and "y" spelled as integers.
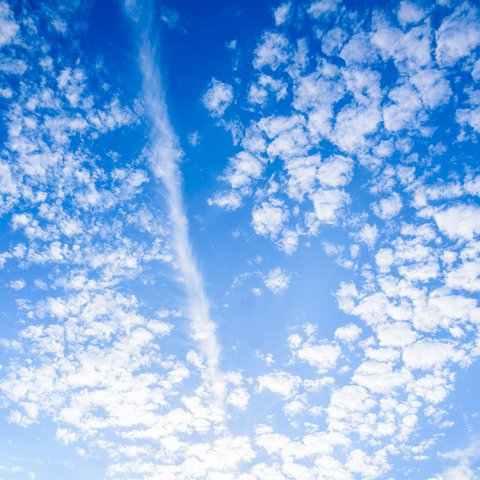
{"x": 239, "y": 240}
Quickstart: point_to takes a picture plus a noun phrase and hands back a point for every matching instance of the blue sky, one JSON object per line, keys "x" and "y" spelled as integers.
{"x": 240, "y": 240}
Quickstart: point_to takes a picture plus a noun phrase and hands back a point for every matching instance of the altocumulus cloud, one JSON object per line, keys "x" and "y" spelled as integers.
{"x": 337, "y": 234}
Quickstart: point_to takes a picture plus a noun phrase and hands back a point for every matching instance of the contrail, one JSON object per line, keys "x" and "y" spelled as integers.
{"x": 165, "y": 157}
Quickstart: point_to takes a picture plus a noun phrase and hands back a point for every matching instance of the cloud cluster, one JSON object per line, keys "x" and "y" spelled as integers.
{"x": 354, "y": 128}
{"x": 359, "y": 147}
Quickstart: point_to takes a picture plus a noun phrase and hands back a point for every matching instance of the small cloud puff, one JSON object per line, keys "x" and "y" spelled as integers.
{"x": 194, "y": 138}
{"x": 368, "y": 234}
{"x": 218, "y": 97}
{"x": 282, "y": 383}
{"x": 388, "y": 207}
{"x": 322, "y": 7}
{"x": 17, "y": 284}
{"x": 226, "y": 200}
{"x": 458, "y": 35}
{"x": 282, "y": 13}
{"x": 8, "y": 27}
{"x": 273, "y": 51}
{"x": 277, "y": 280}
{"x": 268, "y": 218}
{"x": 348, "y": 333}
{"x": 170, "y": 17}
{"x": 409, "y": 13}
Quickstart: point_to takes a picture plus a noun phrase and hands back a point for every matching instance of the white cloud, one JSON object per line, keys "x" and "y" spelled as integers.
{"x": 465, "y": 460}
{"x": 348, "y": 333}
{"x": 282, "y": 13}
{"x": 366, "y": 465}
{"x": 401, "y": 314}
{"x": 358, "y": 50}
{"x": 226, "y": 200}
{"x": 458, "y": 35}
{"x": 8, "y": 26}
{"x": 403, "y": 112}
{"x": 283, "y": 383}
{"x": 322, "y": 357}
{"x": 428, "y": 355}
{"x": 476, "y": 71}
{"x": 364, "y": 85}
{"x": 335, "y": 171}
{"x": 170, "y": 17}
{"x": 397, "y": 334}
{"x": 409, "y": 13}
{"x": 232, "y": 44}
{"x": 13, "y": 67}
{"x": 328, "y": 203}
{"x": 260, "y": 90}
{"x": 194, "y": 138}
{"x": 218, "y": 97}
{"x": 433, "y": 87}
{"x": 268, "y": 218}
{"x": 301, "y": 175}
{"x": 289, "y": 241}
{"x": 348, "y": 407}
{"x": 271, "y": 442}
{"x": 7, "y": 183}
{"x": 273, "y": 51}
{"x": 468, "y": 117}
{"x": 368, "y": 234}
{"x": 257, "y": 94}
{"x": 321, "y": 88}
{"x": 291, "y": 143}
{"x": 277, "y": 280}
{"x": 459, "y": 222}
{"x": 333, "y": 40}
{"x": 389, "y": 207}
{"x": 458, "y": 472}
{"x": 410, "y": 50}
{"x": 380, "y": 376}
{"x": 292, "y": 409}
{"x": 353, "y": 124}
{"x": 275, "y": 125}
{"x": 243, "y": 168}
{"x": 17, "y": 284}
{"x": 239, "y": 398}
{"x": 6, "y": 92}
{"x": 72, "y": 83}
{"x": 465, "y": 277}
{"x": 322, "y": 7}
{"x": 164, "y": 162}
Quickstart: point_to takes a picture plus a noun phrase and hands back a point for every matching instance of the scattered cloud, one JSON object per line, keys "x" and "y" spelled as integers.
{"x": 351, "y": 135}
{"x": 282, "y": 13}
{"x": 218, "y": 97}
{"x": 277, "y": 280}
{"x": 9, "y": 27}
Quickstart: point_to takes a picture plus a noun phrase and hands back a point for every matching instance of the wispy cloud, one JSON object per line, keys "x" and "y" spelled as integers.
{"x": 166, "y": 155}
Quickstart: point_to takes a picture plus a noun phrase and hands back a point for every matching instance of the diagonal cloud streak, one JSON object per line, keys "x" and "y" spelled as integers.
{"x": 165, "y": 157}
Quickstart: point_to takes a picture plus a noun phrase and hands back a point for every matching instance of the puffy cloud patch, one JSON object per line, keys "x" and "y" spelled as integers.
{"x": 322, "y": 7}
{"x": 273, "y": 51}
{"x": 459, "y": 222}
{"x": 458, "y": 35}
{"x": 8, "y": 26}
{"x": 218, "y": 97}
{"x": 282, "y": 13}
{"x": 277, "y": 280}
{"x": 427, "y": 355}
{"x": 282, "y": 383}
{"x": 409, "y": 13}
